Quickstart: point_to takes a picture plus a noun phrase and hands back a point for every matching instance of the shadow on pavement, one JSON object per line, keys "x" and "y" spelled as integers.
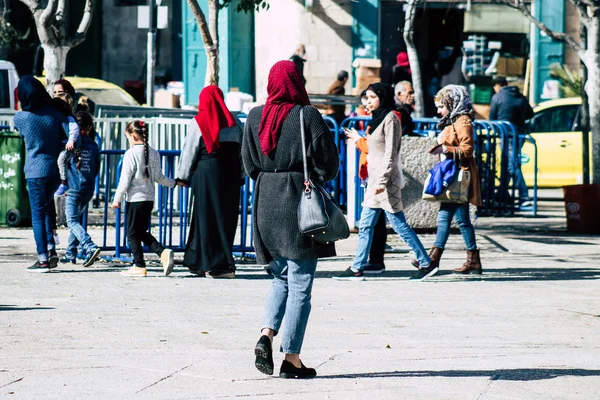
{"x": 8, "y": 307}
{"x": 492, "y": 275}
{"x": 521, "y": 374}
{"x": 444, "y": 276}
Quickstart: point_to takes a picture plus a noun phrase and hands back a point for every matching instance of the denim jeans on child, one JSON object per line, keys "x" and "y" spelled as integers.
{"x": 41, "y": 191}
{"x": 463, "y": 220}
{"x": 290, "y": 295}
{"x": 75, "y": 207}
{"x": 368, "y": 219}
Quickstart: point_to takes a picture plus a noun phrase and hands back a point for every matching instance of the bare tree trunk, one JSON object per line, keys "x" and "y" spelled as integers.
{"x": 49, "y": 23}
{"x": 592, "y": 88}
{"x": 209, "y": 44}
{"x": 55, "y": 64}
{"x": 413, "y": 56}
{"x": 212, "y": 72}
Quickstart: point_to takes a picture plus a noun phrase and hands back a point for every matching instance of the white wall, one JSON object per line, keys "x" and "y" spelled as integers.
{"x": 325, "y": 31}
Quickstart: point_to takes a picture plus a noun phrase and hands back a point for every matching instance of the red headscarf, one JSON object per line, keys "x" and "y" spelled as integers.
{"x": 285, "y": 90}
{"x": 213, "y": 115}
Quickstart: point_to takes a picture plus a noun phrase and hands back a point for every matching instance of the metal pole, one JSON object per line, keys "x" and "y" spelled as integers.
{"x": 151, "y": 53}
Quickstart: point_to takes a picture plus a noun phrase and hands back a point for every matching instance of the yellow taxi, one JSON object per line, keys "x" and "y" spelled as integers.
{"x": 99, "y": 91}
{"x": 555, "y": 127}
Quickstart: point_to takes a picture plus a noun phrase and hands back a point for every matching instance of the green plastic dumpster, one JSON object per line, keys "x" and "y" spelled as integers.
{"x": 14, "y": 200}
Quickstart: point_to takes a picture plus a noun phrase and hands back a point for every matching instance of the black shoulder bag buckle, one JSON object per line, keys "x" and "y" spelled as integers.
{"x": 318, "y": 214}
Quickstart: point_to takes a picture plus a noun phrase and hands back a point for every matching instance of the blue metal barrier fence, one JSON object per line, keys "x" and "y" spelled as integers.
{"x": 173, "y": 212}
{"x": 497, "y": 146}
{"x": 495, "y": 143}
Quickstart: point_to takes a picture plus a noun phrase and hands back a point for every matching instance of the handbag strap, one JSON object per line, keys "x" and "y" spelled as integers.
{"x": 457, "y": 150}
{"x": 302, "y": 135}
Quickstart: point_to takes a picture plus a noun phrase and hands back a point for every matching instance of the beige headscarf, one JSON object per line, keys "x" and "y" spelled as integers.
{"x": 457, "y": 101}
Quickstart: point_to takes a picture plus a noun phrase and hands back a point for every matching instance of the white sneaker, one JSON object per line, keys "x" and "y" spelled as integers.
{"x": 166, "y": 258}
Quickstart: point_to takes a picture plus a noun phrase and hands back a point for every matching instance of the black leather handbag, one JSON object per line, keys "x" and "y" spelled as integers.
{"x": 318, "y": 215}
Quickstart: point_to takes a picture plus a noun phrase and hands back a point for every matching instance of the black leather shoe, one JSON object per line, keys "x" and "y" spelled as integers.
{"x": 288, "y": 371}
{"x": 264, "y": 355}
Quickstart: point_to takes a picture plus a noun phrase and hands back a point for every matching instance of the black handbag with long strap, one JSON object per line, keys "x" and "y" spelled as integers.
{"x": 318, "y": 215}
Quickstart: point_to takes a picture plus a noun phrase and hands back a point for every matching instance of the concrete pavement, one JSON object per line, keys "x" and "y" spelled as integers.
{"x": 529, "y": 328}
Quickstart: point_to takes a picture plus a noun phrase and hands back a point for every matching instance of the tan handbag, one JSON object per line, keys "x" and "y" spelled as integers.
{"x": 458, "y": 190}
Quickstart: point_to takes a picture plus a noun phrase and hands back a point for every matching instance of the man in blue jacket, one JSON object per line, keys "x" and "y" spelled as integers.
{"x": 82, "y": 173}
{"x": 508, "y": 104}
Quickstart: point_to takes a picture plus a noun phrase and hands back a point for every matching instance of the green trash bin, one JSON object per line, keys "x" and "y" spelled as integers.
{"x": 14, "y": 200}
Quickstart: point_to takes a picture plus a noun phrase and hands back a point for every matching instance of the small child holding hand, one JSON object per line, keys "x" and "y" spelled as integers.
{"x": 141, "y": 169}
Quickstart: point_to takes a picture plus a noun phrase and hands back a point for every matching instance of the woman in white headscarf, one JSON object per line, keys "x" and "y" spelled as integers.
{"x": 457, "y": 141}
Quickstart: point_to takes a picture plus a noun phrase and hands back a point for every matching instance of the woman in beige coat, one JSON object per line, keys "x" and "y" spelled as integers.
{"x": 456, "y": 141}
{"x": 384, "y": 183}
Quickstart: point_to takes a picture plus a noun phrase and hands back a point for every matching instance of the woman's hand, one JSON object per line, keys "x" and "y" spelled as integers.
{"x": 437, "y": 149}
{"x": 70, "y": 145}
{"x": 379, "y": 190}
{"x": 182, "y": 183}
{"x": 115, "y": 205}
{"x": 352, "y": 134}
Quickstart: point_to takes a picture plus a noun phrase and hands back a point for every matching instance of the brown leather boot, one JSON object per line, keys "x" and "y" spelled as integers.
{"x": 435, "y": 253}
{"x": 472, "y": 265}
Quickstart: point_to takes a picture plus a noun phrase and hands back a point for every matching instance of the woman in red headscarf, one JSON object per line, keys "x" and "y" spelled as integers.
{"x": 272, "y": 154}
{"x": 210, "y": 161}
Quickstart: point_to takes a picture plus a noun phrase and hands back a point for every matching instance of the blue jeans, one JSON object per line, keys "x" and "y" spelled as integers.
{"x": 368, "y": 219}
{"x": 463, "y": 220}
{"x": 77, "y": 235}
{"x": 41, "y": 191}
{"x": 290, "y": 295}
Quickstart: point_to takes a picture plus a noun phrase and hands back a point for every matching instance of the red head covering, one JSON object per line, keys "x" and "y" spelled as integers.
{"x": 285, "y": 89}
{"x": 213, "y": 115}
{"x": 402, "y": 60}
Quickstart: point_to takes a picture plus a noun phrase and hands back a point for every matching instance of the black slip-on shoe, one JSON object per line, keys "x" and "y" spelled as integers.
{"x": 264, "y": 355}
{"x": 288, "y": 371}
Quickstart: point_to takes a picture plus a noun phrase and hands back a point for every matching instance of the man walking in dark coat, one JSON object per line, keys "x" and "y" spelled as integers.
{"x": 338, "y": 112}
{"x": 508, "y": 104}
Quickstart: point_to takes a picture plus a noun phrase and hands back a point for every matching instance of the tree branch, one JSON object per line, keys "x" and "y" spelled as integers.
{"x": 202, "y": 25}
{"x": 560, "y": 36}
{"x": 49, "y": 12}
{"x": 60, "y": 9}
{"x": 86, "y": 21}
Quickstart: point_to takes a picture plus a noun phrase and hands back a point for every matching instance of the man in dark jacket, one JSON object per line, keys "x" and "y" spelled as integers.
{"x": 82, "y": 173}
{"x": 405, "y": 101}
{"x": 338, "y": 112}
{"x": 508, "y": 104}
